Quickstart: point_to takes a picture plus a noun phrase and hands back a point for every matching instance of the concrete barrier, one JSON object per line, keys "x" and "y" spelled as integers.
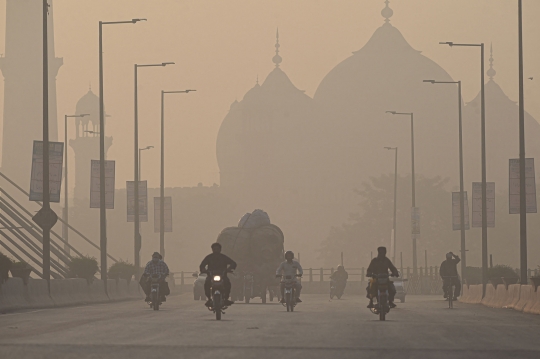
{"x": 97, "y": 292}
{"x": 512, "y": 297}
{"x": 38, "y": 293}
{"x": 68, "y": 291}
{"x": 122, "y": 289}
{"x": 536, "y": 308}
{"x": 112, "y": 290}
{"x": 475, "y": 294}
{"x": 500, "y": 296}
{"x": 12, "y": 295}
{"x": 526, "y": 292}
{"x": 531, "y": 303}
{"x": 464, "y": 293}
{"x": 135, "y": 291}
{"x": 489, "y": 298}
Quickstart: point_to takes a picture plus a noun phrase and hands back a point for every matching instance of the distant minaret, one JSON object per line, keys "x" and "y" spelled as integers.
{"x": 22, "y": 68}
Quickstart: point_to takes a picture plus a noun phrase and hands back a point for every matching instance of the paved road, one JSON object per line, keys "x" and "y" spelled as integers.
{"x": 420, "y": 328}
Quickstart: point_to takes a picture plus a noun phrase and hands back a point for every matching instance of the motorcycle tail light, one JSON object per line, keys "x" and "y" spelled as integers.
{"x": 217, "y": 278}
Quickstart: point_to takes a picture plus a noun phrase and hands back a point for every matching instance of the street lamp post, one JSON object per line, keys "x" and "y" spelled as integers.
{"x": 461, "y": 182}
{"x": 395, "y": 202}
{"x": 483, "y": 150}
{"x": 162, "y": 173}
{"x": 102, "y": 209}
{"x": 66, "y": 202}
{"x": 411, "y": 114}
{"x": 136, "y": 224}
{"x": 140, "y": 158}
{"x": 522, "y": 183}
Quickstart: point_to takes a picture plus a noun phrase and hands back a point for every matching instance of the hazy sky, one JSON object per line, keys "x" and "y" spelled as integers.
{"x": 220, "y": 46}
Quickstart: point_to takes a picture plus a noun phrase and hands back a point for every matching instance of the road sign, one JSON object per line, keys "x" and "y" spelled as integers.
{"x": 56, "y": 158}
{"x": 143, "y": 201}
{"x": 456, "y": 212}
{"x": 477, "y": 204}
{"x": 168, "y": 214}
{"x": 530, "y": 186}
{"x": 45, "y": 218}
{"x": 415, "y": 220}
{"x": 109, "y": 184}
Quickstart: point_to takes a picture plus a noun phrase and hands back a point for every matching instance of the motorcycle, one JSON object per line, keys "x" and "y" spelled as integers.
{"x": 290, "y": 292}
{"x": 381, "y": 308}
{"x": 217, "y": 287}
{"x": 155, "y": 296}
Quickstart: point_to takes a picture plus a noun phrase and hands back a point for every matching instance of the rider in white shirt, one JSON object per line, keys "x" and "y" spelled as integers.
{"x": 290, "y": 268}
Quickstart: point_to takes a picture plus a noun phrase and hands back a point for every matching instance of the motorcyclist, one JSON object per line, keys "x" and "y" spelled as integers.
{"x": 216, "y": 262}
{"x": 381, "y": 265}
{"x": 290, "y": 268}
{"x": 449, "y": 269}
{"x": 155, "y": 266}
{"x": 340, "y": 277}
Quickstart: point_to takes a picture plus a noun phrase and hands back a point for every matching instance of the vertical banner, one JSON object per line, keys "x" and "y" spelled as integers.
{"x": 456, "y": 213}
{"x": 530, "y": 186}
{"x": 477, "y": 204}
{"x": 95, "y": 184}
{"x": 415, "y": 220}
{"x": 168, "y": 214}
{"x": 143, "y": 201}
{"x": 56, "y": 158}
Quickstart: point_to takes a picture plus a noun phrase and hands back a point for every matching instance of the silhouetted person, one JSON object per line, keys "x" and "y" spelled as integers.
{"x": 381, "y": 265}
{"x": 340, "y": 276}
{"x": 213, "y": 264}
{"x": 449, "y": 274}
{"x": 290, "y": 268}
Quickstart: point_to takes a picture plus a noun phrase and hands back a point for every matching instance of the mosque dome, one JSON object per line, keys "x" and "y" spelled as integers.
{"x": 351, "y": 102}
{"x": 257, "y": 144}
{"x": 88, "y": 104}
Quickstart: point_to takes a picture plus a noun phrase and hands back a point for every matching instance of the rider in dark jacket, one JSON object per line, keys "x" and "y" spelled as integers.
{"x": 381, "y": 265}
{"x": 449, "y": 269}
{"x": 340, "y": 277}
{"x": 217, "y": 263}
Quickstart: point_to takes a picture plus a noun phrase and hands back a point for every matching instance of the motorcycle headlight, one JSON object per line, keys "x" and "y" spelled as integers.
{"x": 217, "y": 278}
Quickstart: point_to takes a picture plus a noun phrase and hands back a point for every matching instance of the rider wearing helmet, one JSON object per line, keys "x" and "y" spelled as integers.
{"x": 217, "y": 262}
{"x": 340, "y": 276}
{"x": 290, "y": 268}
{"x": 449, "y": 269}
{"x": 381, "y": 265}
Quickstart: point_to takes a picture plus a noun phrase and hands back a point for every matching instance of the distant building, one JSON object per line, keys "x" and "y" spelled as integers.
{"x": 22, "y": 68}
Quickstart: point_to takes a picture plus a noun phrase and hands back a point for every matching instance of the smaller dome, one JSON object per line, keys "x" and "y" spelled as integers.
{"x": 88, "y": 104}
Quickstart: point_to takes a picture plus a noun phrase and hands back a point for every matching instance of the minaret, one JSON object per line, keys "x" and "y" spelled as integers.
{"x": 23, "y": 78}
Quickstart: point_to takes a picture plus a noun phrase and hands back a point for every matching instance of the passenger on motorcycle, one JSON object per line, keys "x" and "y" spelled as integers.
{"x": 449, "y": 269}
{"x": 216, "y": 262}
{"x": 155, "y": 266}
{"x": 381, "y": 265}
{"x": 290, "y": 268}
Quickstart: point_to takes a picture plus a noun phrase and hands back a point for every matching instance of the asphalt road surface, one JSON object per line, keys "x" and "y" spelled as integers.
{"x": 423, "y": 327}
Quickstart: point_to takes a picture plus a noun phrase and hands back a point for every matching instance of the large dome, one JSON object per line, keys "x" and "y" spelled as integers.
{"x": 259, "y": 144}
{"x": 386, "y": 75}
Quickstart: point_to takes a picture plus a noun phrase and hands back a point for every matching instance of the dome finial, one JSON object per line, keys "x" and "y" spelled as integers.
{"x": 387, "y": 12}
{"x": 277, "y": 59}
{"x": 491, "y": 72}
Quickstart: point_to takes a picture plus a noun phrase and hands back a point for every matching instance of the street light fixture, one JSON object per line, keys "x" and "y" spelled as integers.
{"x": 461, "y": 182}
{"x": 66, "y": 202}
{"x": 411, "y": 114}
{"x": 162, "y": 174}
{"x": 483, "y": 150}
{"x": 395, "y": 203}
{"x": 136, "y": 225}
{"x": 102, "y": 209}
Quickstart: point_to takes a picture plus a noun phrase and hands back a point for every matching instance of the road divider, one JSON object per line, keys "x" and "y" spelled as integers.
{"x": 12, "y": 295}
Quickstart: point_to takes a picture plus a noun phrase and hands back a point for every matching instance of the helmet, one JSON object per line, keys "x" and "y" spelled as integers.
{"x": 340, "y": 267}
{"x": 289, "y": 254}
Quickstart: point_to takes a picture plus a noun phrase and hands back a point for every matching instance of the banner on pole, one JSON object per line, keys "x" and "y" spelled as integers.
{"x": 530, "y": 186}
{"x": 477, "y": 204}
{"x": 415, "y": 220}
{"x": 168, "y": 214}
{"x": 143, "y": 201}
{"x": 95, "y": 184}
{"x": 56, "y": 158}
{"x": 456, "y": 213}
